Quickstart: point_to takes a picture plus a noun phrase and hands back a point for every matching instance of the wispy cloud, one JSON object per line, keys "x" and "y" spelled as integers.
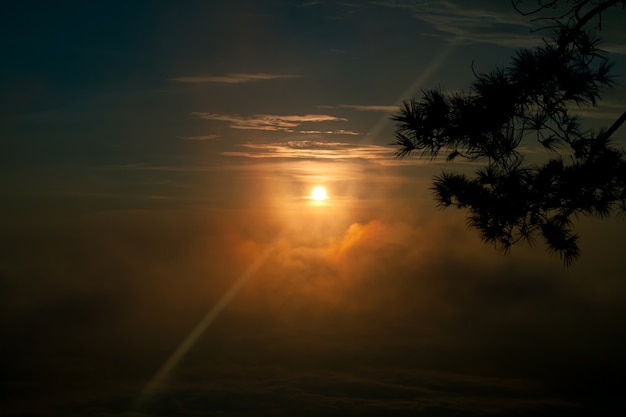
{"x": 236, "y": 78}
{"x": 329, "y": 132}
{"x": 311, "y": 3}
{"x": 360, "y": 107}
{"x": 205, "y": 137}
{"x": 486, "y": 21}
{"x": 285, "y": 123}
{"x": 609, "y": 109}
{"x": 310, "y": 149}
{"x": 478, "y": 21}
{"x": 597, "y": 114}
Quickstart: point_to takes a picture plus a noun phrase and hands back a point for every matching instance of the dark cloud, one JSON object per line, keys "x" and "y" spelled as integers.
{"x": 394, "y": 392}
{"x": 381, "y": 316}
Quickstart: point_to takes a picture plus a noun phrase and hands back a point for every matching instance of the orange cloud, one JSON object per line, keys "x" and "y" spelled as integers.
{"x": 311, "y": 149}
{"x": 268, "y": 121}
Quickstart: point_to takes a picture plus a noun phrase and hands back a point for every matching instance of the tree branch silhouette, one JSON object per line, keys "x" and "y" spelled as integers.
{"x": 510, "y": 200}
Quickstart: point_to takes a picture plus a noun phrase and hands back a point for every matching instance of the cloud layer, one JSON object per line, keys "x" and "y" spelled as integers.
{"x": 392, "y": 314}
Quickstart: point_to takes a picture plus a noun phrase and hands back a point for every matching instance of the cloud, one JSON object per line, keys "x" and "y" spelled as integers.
{"x": 236, "y": 78}
{"x": 497, "y": 22}
{"x": 330, "y": 151}
{"x": 329, "y": 132}
{"x": 310, "y": 149}
{"x": 389, "y": 392}
{"x": 373, "y": 317}
{"x": 311, "y": 3}
{"x": 607, "y": 109}
{"x": 205, "y": 137}
{"x": 267, "y": 121}
{"x": 474, "y": 22}
{"x": 359, "y": 107}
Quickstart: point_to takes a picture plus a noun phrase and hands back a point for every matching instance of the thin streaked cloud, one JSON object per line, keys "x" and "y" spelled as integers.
{"x": 359, "y": 107}
{"x": 498, "y": 23}
{"x": 329, "y": 132}
{"x": 598, "y": 114}
{"x": 235, "y": 78}
{"x": 285, "y": 123}
{"x": 362, "y": 107}
{"x": 609, "y": 109}
{"x": 204, "y": 137}
{"x": 478, "y": 21}
{"x": 309, "y": 149}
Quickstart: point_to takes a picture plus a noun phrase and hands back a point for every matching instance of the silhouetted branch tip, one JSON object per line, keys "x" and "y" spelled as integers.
{"x": 507, "y": 200}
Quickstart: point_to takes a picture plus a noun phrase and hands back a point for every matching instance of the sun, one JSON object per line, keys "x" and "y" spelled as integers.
{"x": 319, "y": 193}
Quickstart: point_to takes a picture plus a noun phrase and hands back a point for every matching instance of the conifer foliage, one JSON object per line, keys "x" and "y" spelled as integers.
{"x": 534, "y": 98}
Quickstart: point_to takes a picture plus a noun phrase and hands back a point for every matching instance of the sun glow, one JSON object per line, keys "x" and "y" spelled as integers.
{"x": 319, "y": 193}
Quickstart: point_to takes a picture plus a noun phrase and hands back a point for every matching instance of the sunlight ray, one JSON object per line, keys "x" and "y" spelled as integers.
{"x": 414, "y": 87}
{"x": 170, "y": 364}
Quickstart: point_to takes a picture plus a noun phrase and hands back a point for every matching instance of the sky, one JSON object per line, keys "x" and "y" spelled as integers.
{"x": 161, "y": 254}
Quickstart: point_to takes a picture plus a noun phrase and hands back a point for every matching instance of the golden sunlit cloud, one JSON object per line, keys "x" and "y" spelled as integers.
{"x": 274, "y": 122}
{"x": 329, "y": 132}
{"x": 307, "y": 149}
